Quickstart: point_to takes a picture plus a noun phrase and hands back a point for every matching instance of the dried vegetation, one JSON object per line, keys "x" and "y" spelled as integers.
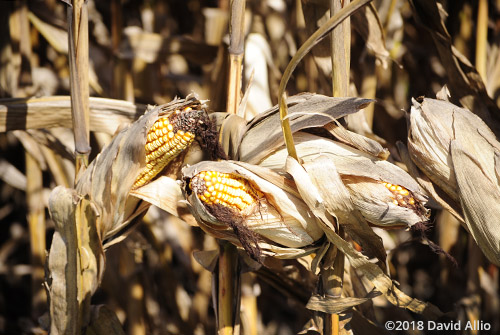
{"x": 331, "y": 165}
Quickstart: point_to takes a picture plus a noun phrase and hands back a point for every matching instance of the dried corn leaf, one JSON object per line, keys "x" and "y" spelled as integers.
{"x": 493, "y": 72}
{"x": 31, "y": 146}
{"x": 207, "y": 258}
{"x": 231, "y": 132}
{"x": 358, "y": 141}
{"x": 165, "y": 193}
{"x": 11, "y": 175}
{"x": 258, "y": 58}
{"x": 48, "y": 112}
{"x": 334, "y": 305}
{"x": 367, "y": 23}
{"x": 263, "y": 133}
{"x": 58, "y": 39}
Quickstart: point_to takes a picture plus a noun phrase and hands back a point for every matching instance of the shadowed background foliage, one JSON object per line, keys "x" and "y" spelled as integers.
{"x": 149, "y": 52}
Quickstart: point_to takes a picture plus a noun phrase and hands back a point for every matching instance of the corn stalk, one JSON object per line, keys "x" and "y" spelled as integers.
{"x": 78, "y": 39}
{"x": 70, "y": 246}
{"x": 229, "y": 280}
{"x": 341, "y": 58}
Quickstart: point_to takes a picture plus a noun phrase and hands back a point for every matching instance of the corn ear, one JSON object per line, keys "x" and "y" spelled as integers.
{"x": 338, "y": 203}
{"x": 429, "y": 140}
{"x": 102, "y": 210}
{"x": 367, "y": 179}
{"x": 122, "y": 165}
{"x": 229, "y": 198}
{"x": 312, "y": 197}
{"x": 460, "y": 153}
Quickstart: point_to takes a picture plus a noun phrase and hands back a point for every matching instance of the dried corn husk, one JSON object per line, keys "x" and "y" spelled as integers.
{"x": 283, "y": 225}
{"x": 460, "y": 153}
{"x": 364, "y": 176}
{"x": 429, "y": 143}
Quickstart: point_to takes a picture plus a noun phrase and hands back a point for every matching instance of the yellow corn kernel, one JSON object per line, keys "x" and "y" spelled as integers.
{"x": 163, "y": 145}
{"x": 226, "y": 189}
{"x": 402, "y": 197}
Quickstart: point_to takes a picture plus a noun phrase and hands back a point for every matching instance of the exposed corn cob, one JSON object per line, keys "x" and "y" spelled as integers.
{"x": 167, "y": 138}
{"x": 227, "y": 189}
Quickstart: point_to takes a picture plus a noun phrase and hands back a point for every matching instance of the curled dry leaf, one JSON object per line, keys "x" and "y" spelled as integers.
{"x": 252, "y": 207}
{"x": 383, "y": 193}
{"x": 460, "y": 153}
{"x": 333, "y": 305}
{"x": 263, "y": 134}
{"x": 49, "y": 112}
{"x": 358, "y": 141}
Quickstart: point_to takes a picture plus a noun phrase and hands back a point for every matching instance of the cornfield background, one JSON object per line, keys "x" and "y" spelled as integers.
{"x": 149, "y": 52}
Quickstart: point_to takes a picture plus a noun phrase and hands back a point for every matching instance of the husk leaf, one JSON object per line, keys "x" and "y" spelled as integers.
{"x": 338, "y": 203}
{"x": 475, "y": 159}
